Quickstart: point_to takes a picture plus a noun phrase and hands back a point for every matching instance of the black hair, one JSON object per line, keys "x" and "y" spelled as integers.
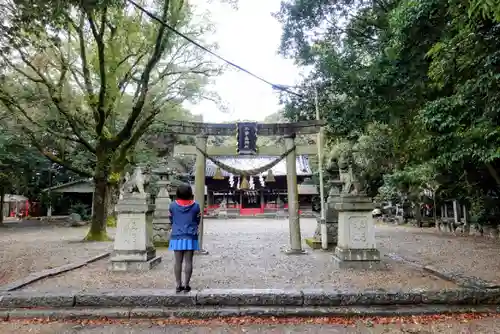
{"x": 184, "y": 191}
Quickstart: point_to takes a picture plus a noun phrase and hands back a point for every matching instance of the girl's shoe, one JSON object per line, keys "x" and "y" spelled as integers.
{"x": 187, "y": 288}
{"x": 179, "y": 289}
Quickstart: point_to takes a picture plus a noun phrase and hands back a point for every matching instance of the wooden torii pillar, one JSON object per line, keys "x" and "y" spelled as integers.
{"x": 288, "y": 130}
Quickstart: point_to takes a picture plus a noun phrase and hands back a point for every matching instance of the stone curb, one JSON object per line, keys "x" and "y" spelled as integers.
{"x": 461, "y": 280}
{"x": 49, "y": 273}
{"x": 245, "y": 297}
{"x": 454, "y": 277}
{"x": 215, "y": 312}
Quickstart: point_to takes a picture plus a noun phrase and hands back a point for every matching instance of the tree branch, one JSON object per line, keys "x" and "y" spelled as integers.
{"x": 85, "y": 67}
{"x": 124, "y": 82}
{"x": 65, "y": 164}
{"x": 144, "y": 84}
{"x": 127, "y": 57}
{"x": 35, "y": 142}
{"x": 9, "y": 103}
{"x": 98, "y": 36}
{"x": 382, "y": 5}
{"x": 18, "y": 70}
{"x": 141, "y": 129}
{"x": 493, "y": 173}
{"x": 64, "y": 70}
{"x": 57, "y": 100}
{"x": 193, "y": 70}
{"x": 74, "y": 73}
{"x": 43, "y": 78}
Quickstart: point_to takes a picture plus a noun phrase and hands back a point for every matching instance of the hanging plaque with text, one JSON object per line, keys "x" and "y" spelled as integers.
{"x": 247, "y": 138}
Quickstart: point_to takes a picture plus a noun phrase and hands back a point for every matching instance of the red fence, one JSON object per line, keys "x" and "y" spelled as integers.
{"x": 246, "y": 211}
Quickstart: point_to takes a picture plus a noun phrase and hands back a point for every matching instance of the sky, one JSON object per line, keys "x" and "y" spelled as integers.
{"x": 249, "y": 37}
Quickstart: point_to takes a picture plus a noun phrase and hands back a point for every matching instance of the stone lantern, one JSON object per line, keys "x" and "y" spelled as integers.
{"x": 161, "y": 221}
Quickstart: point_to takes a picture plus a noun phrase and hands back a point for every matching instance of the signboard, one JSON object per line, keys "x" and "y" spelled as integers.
{"x": 247, "y": 138}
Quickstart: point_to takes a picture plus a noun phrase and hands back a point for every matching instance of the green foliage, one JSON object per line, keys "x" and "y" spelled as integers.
{"x": 411, "y": 86}
{"x": 11, "y": 156}
{"x": 23, "y": 170}
{"x": 81, "y": 209}
{"x": 487, "y": 9}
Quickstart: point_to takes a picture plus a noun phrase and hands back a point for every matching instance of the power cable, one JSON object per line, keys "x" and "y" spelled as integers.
{"x": 166, "y": 25}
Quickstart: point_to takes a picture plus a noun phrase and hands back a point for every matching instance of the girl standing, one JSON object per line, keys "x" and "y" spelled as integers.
{"x": 185, "y": 216}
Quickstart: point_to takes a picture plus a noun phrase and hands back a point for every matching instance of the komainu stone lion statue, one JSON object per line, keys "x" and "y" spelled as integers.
{"x": 350, "y": 173}
{"x": 351, "y": 184}
{"x": 134, "y": 183}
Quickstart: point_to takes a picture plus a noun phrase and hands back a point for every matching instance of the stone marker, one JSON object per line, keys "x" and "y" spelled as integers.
{"x": 162, "y": 226}
{"x": 133, "y": 248}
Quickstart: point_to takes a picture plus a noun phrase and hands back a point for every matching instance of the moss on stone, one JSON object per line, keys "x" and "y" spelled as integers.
{"x": 99, "y": 236}
{"x": 111, "y": 221}
{"x": 315, "y": 244}
{"x": 114, "y": 177}
{"x": 161, "y": 244}
{"x": 311, "y": 242}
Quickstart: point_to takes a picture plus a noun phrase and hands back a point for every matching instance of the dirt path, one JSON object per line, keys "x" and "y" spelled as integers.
{"x": 470, "y": 256}
{"x": 249, "y": 254}
{"x": 36, "y": 247}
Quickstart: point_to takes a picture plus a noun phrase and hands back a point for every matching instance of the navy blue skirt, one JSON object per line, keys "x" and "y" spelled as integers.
{"x": 183, "y": 244}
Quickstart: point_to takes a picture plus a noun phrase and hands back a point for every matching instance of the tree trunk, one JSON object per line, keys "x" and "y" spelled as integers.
{"x": 113, "y": 196}
{"x": 435, "y": 210}
{"x": 2, "y": 202}
{"x": 97, "y": 230}
{"x": 418, "y": 214}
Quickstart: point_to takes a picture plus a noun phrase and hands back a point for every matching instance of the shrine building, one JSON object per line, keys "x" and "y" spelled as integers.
{"x": 264, "y": 193}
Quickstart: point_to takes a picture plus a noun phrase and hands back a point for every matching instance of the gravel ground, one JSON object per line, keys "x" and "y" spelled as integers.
{"x": 471, "y": 256}
{"x": 36, "y": 246}
{"x": 483, "y": 326}
{"x": 247, "y": 254}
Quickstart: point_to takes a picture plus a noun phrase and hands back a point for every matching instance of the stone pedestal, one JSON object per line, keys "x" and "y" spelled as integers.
{"x": 356, "y": 246}
{"x": 133, "y": 248}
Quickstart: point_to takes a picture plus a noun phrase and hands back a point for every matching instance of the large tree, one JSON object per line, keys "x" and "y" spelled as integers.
{"x": 88, "y": 86}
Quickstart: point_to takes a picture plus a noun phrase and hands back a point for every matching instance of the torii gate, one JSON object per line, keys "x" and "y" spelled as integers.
{"x": 287, "y": 130}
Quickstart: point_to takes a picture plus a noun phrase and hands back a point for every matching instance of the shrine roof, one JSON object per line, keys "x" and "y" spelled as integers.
{"x": 247, "y": 162}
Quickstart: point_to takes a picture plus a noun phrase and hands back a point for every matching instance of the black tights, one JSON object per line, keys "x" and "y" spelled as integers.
{"x": 187, "y": 257}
